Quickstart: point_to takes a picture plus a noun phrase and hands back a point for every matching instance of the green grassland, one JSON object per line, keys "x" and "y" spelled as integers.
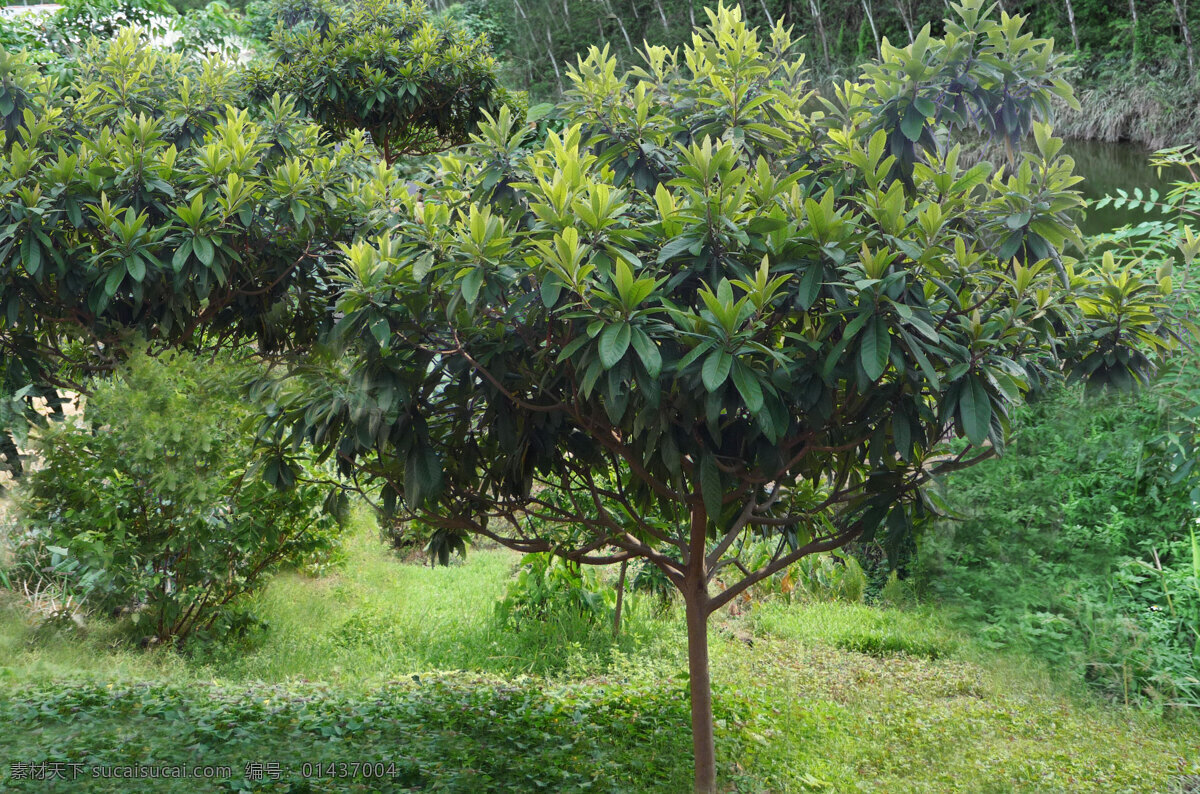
{"x": 409, "y": 666}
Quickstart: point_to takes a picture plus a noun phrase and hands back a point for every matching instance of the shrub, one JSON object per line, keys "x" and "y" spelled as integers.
{"x": 547, "y": 585}
{"x": 414, "y": 538}
{"x": 150, "y": 505}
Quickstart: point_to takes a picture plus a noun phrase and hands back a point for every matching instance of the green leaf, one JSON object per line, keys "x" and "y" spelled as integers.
{"x": 551, "y": 288}
{"x": 716, "y": 369}
{"x": 113, "y": 282}
{"x": 572, "y": 347}
{"x": 381, "y": 330}
{"x": 204, "y": 249}
{"x": 470, "y": 285}
{"x": 876, "y": 346}
{"x": 181, "y": 255}
{"x": 810, "y": 285}
{"x": 647, "y": 351}
{"x": 913, "y": 124}
{"x": 136, "y": 268}
{"x": 975, "y": 411}
{"x": 675, "y": 247}
{"x": 1017, "y": 220}
{"x": 614, "y": 341}
{"x": 422, "y": 475}
{"x": 748, "y": 386}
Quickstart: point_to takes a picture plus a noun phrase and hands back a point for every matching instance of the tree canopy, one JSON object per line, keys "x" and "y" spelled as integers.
{"x": 416, "y": 85}
{"x": 717, "y": 311}
{"x": 174, "y": 199}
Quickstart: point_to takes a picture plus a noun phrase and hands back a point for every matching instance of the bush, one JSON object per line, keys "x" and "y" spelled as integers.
{"x": 547, "y": 585}
{"x": 26, "y": 31}
{"x": 150, "y": 505}
{"x": 414, "y": 539}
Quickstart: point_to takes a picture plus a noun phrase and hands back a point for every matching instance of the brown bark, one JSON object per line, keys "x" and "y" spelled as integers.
{"x": 695, "y": 601}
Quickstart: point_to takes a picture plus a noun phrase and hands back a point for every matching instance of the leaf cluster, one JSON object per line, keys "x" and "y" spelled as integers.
{"x": 414, "y": 83}
{"x": 707, "y": 296}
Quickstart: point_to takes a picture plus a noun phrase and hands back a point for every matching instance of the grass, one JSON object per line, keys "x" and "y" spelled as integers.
{"x": 823, "y": 697}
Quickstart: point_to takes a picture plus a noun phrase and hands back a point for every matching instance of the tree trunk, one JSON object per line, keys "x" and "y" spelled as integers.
{"x": 816, "y": 14}
{"x": 874, "y": 33}
{"x": 770, "y": 21}
{"x": 662, "y": 15}
{"x": 620, "y": 23}
{"x": 1071, "y": 19}
{"x": 1181, "y": 14}
{"x": 1133, "y": 18}
{"x": 700, "y": 682}
{"x": 906, "y": 18}
{"x": 553, "y": 60}
{"x": 620, "y": 599}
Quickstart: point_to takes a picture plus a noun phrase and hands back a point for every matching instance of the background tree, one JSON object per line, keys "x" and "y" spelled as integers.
{"x": 535, "y": 38}
{"x": 146, "y": 195}
{"x": 415, "y": 84}
{"x": 714, "y": 311}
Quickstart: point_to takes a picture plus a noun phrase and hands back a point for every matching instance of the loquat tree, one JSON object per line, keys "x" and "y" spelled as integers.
{"x": 718, "y": 308}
